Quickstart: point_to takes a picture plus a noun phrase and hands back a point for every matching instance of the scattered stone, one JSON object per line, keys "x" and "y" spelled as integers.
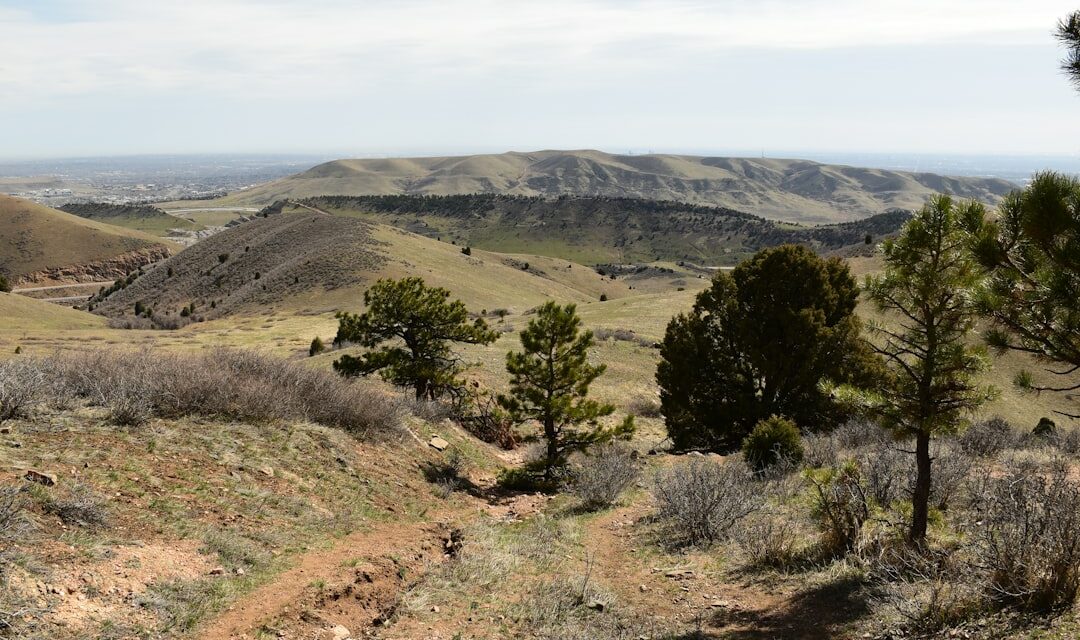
{"x": 596, "y": 605}
{"x": 679, "y": 574}
{"x": 340, "y": 632}
{"x": 240, "y": 571}
{"x": 14, "y": 444}
{"x": 46, "y": 479}
{"x": 435, "y": 608}
{"x": 217, "y": 571}
{"x": 438, "y": 443}
{"x": 642, "y": 588}
{"x": 267, "y": 471}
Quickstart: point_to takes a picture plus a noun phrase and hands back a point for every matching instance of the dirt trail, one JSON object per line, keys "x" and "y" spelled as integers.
{"x": 356, "y": 584}
{"x": 691, "y": 594}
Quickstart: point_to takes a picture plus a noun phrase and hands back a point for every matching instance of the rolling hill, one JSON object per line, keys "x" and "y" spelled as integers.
{"x": 20, "y": 313}
{"x": 146, "y": 218}
{"x": 795, "y": 190}
{"x": 310, "y": 263}
{"x": 39, "y": 244}
{"x": 594, "y": 230}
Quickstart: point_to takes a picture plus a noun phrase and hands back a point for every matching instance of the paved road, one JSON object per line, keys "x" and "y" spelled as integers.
{"x": 105, "y": 283}
{"x": 246, "y": 209}
{"x": 67, "y": 299}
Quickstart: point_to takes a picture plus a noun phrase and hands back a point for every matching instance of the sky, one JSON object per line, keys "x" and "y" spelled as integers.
{"x": 401, "y": 77}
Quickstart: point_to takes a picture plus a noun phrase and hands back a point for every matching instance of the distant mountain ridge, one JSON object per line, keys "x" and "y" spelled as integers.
{"x": 794, "y": 190}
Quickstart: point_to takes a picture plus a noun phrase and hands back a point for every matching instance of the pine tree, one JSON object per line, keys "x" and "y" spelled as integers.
{"x": 550, "y": 382}
{"x": 1032, "y": 293}
{"x": 424, "y": 321}
{"x": 927, "y": 291}
{"x": 1068, "y": 33}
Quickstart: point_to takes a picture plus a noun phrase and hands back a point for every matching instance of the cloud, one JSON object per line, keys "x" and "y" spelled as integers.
{"x": 50, "y": 50}
{"x": 106, "y": 76}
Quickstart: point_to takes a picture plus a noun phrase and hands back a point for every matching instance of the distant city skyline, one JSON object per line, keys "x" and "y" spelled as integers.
{"x": 336, "y": 78}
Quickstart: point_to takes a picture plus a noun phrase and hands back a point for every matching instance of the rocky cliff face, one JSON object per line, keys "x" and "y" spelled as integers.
{"x": 102, "y": 270}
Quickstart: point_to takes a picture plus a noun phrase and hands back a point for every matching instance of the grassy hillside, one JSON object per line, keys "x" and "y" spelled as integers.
{"x": 796, "y": 190}
{"x": 35, "y": 239}
{"x": 146, "y": 218}
{"x": 20, "y": 313}
{"x": 598, "y": 230}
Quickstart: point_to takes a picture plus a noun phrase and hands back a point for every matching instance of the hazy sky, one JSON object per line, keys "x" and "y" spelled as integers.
{"x": 98, "y": 77}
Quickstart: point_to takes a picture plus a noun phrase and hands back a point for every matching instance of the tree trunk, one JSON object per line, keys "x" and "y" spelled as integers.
{"x": 920, "y": 499}
{"x": 552, "y": 448}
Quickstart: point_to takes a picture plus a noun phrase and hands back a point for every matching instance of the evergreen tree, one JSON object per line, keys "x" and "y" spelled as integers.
{"x": 759, "y": 342}
{"x": 1068, "y": 33}
{"x": 926, "y": 290}
{"x": 550, "y": 382}
{"x": 1032, "y": 256}
{"x": 422, "y": 322}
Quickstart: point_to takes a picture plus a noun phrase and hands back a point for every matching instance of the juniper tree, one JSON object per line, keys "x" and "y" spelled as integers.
{"x": 549, "y": 384}
{"x": 421, "y": 323}
{"x": 926, "y": 292}
{"x": 1031, "y": 252}
{"x": 759, "y": 342}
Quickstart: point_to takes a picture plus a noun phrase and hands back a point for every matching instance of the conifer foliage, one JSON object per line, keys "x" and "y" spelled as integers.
{"x": 549, "y": 384}
{"x": 409, "y": 328}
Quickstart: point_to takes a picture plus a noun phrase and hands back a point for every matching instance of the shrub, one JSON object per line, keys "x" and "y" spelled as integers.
{"x": 703, "y": 500}
{"x": 466, "y": 250}
{"x": 768, "y": 539}
{"x": 81, "y": 508}
{"x": 1045, "y": 428}
{"x": 21, "y": 383}
{"x": 604, "y": 475}
{"x": 1068, "y": 442}
{"x": 449, "y": 474}
{"x": 5, "y": 286}
{"x": 1026, "y": 537}
{"x": 951, "y": 468}
{"x": 932, "y": 589}
{"x": 223, "y": 258}
{"x": 987, "y": 438}
{"x": 478, "y": 411}
{"x": 820, "y": 450}
{"x": 887, "y": 473}
{"x": 603, "y": 297}
{"x": 840, "y": 506}
{"x": 316, "y": 347}
{"x": 857, "y": 433}
{"x": 644, "y": 406}
{"x": 773, "y": 439}
{"x": 226, "y": 383}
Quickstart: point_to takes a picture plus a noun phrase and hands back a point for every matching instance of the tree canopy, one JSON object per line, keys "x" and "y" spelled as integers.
{"x": 1068, "y": 33}
{"x": 1032, "y": 256}
{"x": 758, "y": 343}
{"x": 421, "y": 322}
